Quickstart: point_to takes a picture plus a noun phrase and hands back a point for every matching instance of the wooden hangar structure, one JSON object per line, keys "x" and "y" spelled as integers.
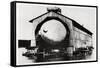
{"x": 78, "y": 35}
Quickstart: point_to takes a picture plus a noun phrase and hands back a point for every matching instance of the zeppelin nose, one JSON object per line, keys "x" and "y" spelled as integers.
{"x": 53, "y": 30}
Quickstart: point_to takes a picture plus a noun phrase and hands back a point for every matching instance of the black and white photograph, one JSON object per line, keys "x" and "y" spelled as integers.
{"x": 44, "y": 33}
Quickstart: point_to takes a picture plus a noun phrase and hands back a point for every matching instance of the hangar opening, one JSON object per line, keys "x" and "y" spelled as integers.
{"x": 52, "y": 33}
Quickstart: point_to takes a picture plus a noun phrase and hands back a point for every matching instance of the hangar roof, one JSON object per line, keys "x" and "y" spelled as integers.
{"x": 58, "y": 12}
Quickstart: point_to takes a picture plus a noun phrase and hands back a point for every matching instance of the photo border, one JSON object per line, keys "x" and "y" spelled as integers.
{"x": 13, "y": 32}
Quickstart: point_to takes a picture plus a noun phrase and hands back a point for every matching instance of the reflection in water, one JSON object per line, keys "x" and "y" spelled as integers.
{"x": 30, "y": 60}
{"x": 56, "y": 56}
